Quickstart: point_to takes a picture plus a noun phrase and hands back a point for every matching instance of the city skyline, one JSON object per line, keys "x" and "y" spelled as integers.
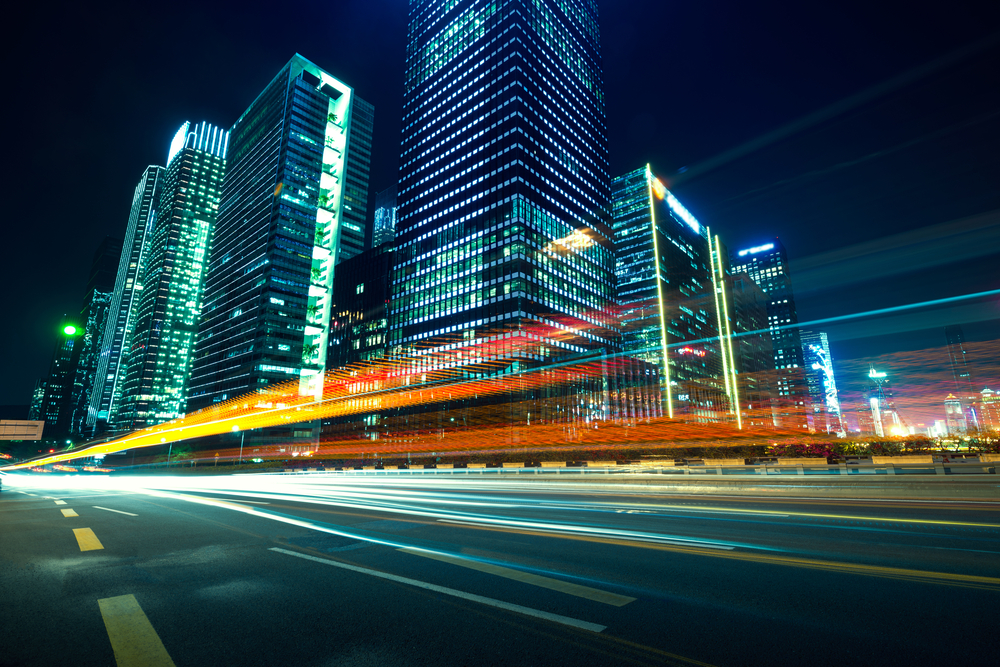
{"x": 733, "y": 231}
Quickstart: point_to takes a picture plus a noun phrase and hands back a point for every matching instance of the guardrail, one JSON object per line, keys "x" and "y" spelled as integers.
{"x": 904, "y": 465}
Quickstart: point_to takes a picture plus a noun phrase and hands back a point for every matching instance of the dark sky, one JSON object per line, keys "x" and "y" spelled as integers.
{"x": 865, "y": 200}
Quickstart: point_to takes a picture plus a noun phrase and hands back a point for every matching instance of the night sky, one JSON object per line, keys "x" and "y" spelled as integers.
{"x": 877, "y": 160}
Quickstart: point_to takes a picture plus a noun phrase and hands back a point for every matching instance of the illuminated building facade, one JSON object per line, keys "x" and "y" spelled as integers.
{"x": 954, "y": 416}
{"x": 767, "y": 265}
{"x": 501, "y": 236}
{"x": 93, "y": 318}
{"x": 672, "y": 299}
{"x": 268, "y": 289}
{"x": 384, "y": 229}
{"x": 989, "y": 410}
{"x": 109, "y": 370}
{"x": 824, "y": 413}
{"x": 160, "y": 342}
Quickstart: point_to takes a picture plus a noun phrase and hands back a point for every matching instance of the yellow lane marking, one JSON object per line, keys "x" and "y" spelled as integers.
{"x": 813, "y": 515}
{"x": 60, "y": 502}
{"x": 533, "y": 579}
{"x": 132, "y": 636}
{"x": 918, "y": 576}
{"x": 87, "y": 540}
{"x": 69, "y": 513}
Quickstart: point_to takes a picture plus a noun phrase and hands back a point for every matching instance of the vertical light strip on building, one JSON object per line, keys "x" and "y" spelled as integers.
{"x": 728, "y": 345}
{"x": 659, "y": 293}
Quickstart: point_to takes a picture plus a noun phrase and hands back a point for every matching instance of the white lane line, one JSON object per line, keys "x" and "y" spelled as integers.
{"x": 516, "y": 608}
{"x": 236, "y": 500}
{"x": 631, "y": 538}
{"x": 60, "y": 502}
{"x": 108, "y": 509}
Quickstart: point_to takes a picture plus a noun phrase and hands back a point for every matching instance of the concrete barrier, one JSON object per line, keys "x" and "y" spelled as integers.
{"x": 989, "y": 458}
{"x": 716, "y": 463}
{"x": 445, "y": 465}
{"x": 801, "y": 461}
{"x": 513, "y": 465}
{"x": 601, "y": 464}
{"x": 475, "y": 465}
{"x": 553, "y": 464}
{"x": 910, "y": 458}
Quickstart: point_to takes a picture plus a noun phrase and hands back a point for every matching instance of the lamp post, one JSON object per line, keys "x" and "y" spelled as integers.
{"x": 242, "y": 433}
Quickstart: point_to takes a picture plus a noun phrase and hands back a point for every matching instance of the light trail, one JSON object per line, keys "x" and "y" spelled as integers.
{"x": 515, "y": 507}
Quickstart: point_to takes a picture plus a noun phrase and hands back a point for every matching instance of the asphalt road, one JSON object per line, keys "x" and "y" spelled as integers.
{"x": 436, "y": 570}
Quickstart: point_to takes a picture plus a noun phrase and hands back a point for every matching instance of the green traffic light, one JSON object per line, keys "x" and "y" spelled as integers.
{"x": 69, "y": 330}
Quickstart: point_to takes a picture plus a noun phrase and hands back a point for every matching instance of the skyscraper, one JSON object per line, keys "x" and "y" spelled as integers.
{"x": 360, "y": 298}
{"x": 93, "y": 318}
{"x": 885, "y": 419}
{"x": 282, "y": 215}
{"x": 355, "y": 186}
{"x": 501, "y": 234}
{"x": 824, "y": 412}
{"x": 753, "y": 351}
{"x": 767, "y": 265}
{"x": 56, "y": 407}
{"x": 164, "y": 319}
{"x": 964, "y": 387}
{"x": 109, "y": 370}
{"x": 954, "y": 416}
{"x": 384, "y": 230}
{"x": 989, "y": 406}
{"x": 672, "y": 299}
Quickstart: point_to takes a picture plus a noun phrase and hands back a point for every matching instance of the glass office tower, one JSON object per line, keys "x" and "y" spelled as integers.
{"x": 356, "y": 171}
{"x": 384, "y": 229}
{"x": 267, "y": 301}
{"x": 501, "y": 232}
{"x": 93, "y": 318}
{"x": 767, "y": 265}
{"x": 158, "y": 351}
{"x": 672, "y": 299}
{"x": 109, "y": 370}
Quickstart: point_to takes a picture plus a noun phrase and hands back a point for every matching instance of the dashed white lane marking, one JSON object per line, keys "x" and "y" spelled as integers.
{"x": 499, "y": 604}
{"x": 60, "y": 502}
{"x": 69, "y": 513}
{"x": 108, "y": 509}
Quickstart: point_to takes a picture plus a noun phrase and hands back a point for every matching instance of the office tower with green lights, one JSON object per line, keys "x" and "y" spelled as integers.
{"x": 673, "y": 302}
{"x": 159, "y": 347}
{"x": 502, "y": 237}
{"x": 282, "y": 217}
{"x": 56, "y": 405}
{"x": 109, "y": 370}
